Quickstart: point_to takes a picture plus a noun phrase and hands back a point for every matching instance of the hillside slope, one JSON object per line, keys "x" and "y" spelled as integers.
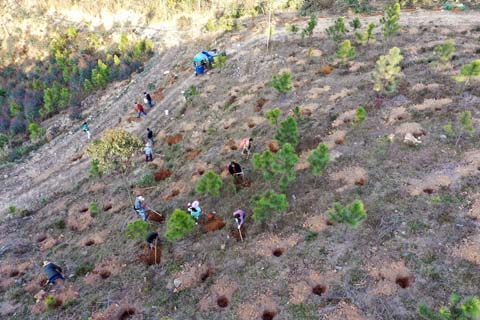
{"x": 417, "y": 244}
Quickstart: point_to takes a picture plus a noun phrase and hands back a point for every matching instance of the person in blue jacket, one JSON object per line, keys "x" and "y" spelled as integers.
{"x": 53, "y": 272}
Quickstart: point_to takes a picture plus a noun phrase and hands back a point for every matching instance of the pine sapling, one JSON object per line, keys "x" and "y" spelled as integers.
{"x": 137, "y": 230}
{"x": 311, "y": 24}
{"x": 319, "y": 159}
{"x": 345, "y": 51}
{"x": 338, "y": 30}
{"x": 360, "y": 115}
{"x": 282, "y": 82}
{"x": 284, "y": 165}
{"x": 469, "y": 309}
{"x": 465, "y": 123}
{"x": 272, "y": 116}
{"x": 444, "y": 52}
{"x": 268, "y": 205}
{"x": 389, "y": 22}
{"x": 179, "y": 224}
{"x": 468, "y": 72}
{"x": 350, "y": 215}
{"x": 386, "y": 70}
{"x": 288, "y": 132}
{"x": 210, "y": 183}
{"x": 355, "y": 23}
{"x": 365, "y": 37}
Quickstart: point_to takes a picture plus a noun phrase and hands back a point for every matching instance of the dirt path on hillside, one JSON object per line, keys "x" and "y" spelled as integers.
{"x": 50, "y": 170}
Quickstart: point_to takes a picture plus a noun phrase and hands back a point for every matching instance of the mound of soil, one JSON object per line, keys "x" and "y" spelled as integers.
{"x": 162, "y": 174}
{"x": 236, "y": 235}
{"x": 212, "y": 224}
{"x": 148, "y": 255}
{"x": 152, "y": 216}
{"x": 174, "y": 139}
{"x": 259, "y": 105}
{"x": 192, "y": 154}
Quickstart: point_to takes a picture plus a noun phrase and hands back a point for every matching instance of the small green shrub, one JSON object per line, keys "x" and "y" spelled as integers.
{"x": 191, "y": 92}
{"x": 83, "y": 269}
{"x": 365, "y": 37}
{"x": 93, "y": 208}
{"x": 12, "y": 209}
{"x": 338, "y": 30}
{"x": 267, "y": 205}
{"x": 219, "y": 61}
{"x": 51, "y": 302}
{"x": 468, "y": 72}
{"x": 210, "y": 25}
{"x": 288, "y": 132}
{"x": 469, "y": 309}
{"x": 311, "y": 24}
{"x": 60, "y": 224}
{"x": 292, "y": 28}
{"x": 389, "y": 22}
{"x": 466, "y": 121}
{"x": 146, "y": 180}
{"x": 95, "y": 169}
{"x": 282, "y": 82}
{"x": 210, "y": 183}
{"x": 350, "y": 215}
{"x": 355, "y": 23}
{"x": 272, "y": 116}
{"x": 179, "y": 224}
{"x": 137, "y": 230}
{"x": 386, "y": 71}
{"x": 448, "y": 130}
{"x": 360, "y": 115}
{"x": 311, "y": 236}
{"x": 346, "y": 51}
{"x": 319, "y": 159}
{"x": 445, "y": 51}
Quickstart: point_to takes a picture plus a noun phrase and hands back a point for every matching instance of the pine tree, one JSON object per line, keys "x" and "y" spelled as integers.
{"x": 367, "y": 35}
{"x": 288, "y": 132}
{"x": 468, "y": 72}
{"x": 282, "y": 82}
{"x": 210, "y": 183}
{"x": 263, "y": 161}
{"x": 360, "y": 115}
{"x": 350, "y": 215}
{"x": 267, "y": 204}
{"x": 338, "y": 30}
{"x": 445, "y": 51}
{"x": 355, "y": 23}
{"x": 137, "y": 230}
{"x": 389, "y": 22}
{"x": 456, "y": 310}
{"x": 346, "y": 51}
{"x": 386, "y": 70}
{"x": 319, "y": 159}
{"x": 36, "y": 131}
{"x": 311, "y": 24}
{"x": 179, "y": 224}
{"x": 272, "y": 116}
{"x": 114, "y": 150}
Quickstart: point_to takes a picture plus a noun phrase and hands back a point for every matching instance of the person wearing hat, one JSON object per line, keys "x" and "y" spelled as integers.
{"x": 236, "y": 171}
{"x": 239, "y": 216}
{"x": 152, "y": 239}
{"x": 86, "y": 129}
{"x": 148, "y": 99}
{"x": 148, "y": 152}
{"x": 194, "y": 209}
{"x": 140, "y": 207}
{"x": 53, "y": 272}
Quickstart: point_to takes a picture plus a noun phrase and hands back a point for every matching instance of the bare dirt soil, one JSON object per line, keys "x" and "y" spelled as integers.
{"x": 419, "y": 242}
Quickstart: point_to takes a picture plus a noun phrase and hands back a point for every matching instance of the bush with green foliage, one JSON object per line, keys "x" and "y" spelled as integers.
{"x": 288, "y": 132}
{"x": 100, "y": 75}
{"x": 311, "y": 24}
{"x": 191, "y": 92}
{"x": 389, "y": 22}
{"x": 360, "y": 115}
{"x": 54, "y": 98}
{"x": 346, "y": 51}
{"x": 282, "y": 82}
{"x": 386, "y": 71}
{"x": 350, "y": 215}
{"x": 95, "y": 169}
{"x": 338, "y": 30}
{"x": 279, "y": 166}
{"x": 272, "y": 116}
{"x": 179, "y": 224}
{"x": 12, "y": 209}
{"x": 36, "y": 132}
{"x": 469, "y": 72}
{"x": 146, "y": 180}
{"x": 319, "y": 159}
{"x": 268, "y": 205}
{"x": 445, "y": 51}
{"x": 210, "y": 183}
{"x": 292, "y": 28}
{"x": 219, "y": 61}
{"x": 365, "y": 37}
{"x": 137, "y": 230}
{"x": 468, "y": 309}
{"x": 93, "y": 209}
{"x": 83, "y": 269}
{"x": 50, "y": 302}
{"x": 355, "y": 23}
{"x": 114, "y": 150}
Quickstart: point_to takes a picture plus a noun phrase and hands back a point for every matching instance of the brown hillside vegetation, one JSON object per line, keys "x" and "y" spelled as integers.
{"x": 418, "y": 243}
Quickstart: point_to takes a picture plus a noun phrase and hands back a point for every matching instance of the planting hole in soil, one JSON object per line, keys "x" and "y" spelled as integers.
{"x": 85, "y": 209}
{"x": 360, "y": 182}
{"x": 404, "y": 281}
{"x": 206, "y": 274}
{"x": 278, "y": 252}
{"x": 201, "y": 171}
{"x": 41, "y": 238}
{"x": 268, "y": 315}
{"x": 233, "y": 147}
{"x": 428, "y": 190}
{"x": 319, "y": 289}
{"x": 126, "y": 313}
{"x": 152, "y": 216}
{"x": 162, "y": 174}
{"x": 90, "y": 242}
{"x": 222, "y": 302}
{"x": 107, "y": 207}
{"x": 13, "y": 273}
{"x": 104, "y": 274}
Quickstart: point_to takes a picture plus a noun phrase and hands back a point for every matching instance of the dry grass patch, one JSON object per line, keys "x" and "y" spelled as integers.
{"x": 345, "y": 118}
{"x": 469, "y": 250}
{"x": 413, "y": 128}
{"x": 398, "y": 114}
{"x": 345, "y": 311}
{"x": 314, "y": 93}
{"x": 433, "y": 104}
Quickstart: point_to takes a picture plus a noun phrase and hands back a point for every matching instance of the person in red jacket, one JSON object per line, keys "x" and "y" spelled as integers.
{"x": 140, "y": 109}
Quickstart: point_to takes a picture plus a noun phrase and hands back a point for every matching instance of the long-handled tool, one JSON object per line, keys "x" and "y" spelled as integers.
{"x": 240, "y": 232}
{"x": 155, "y": 211}
{"x": 155, "y": 251}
